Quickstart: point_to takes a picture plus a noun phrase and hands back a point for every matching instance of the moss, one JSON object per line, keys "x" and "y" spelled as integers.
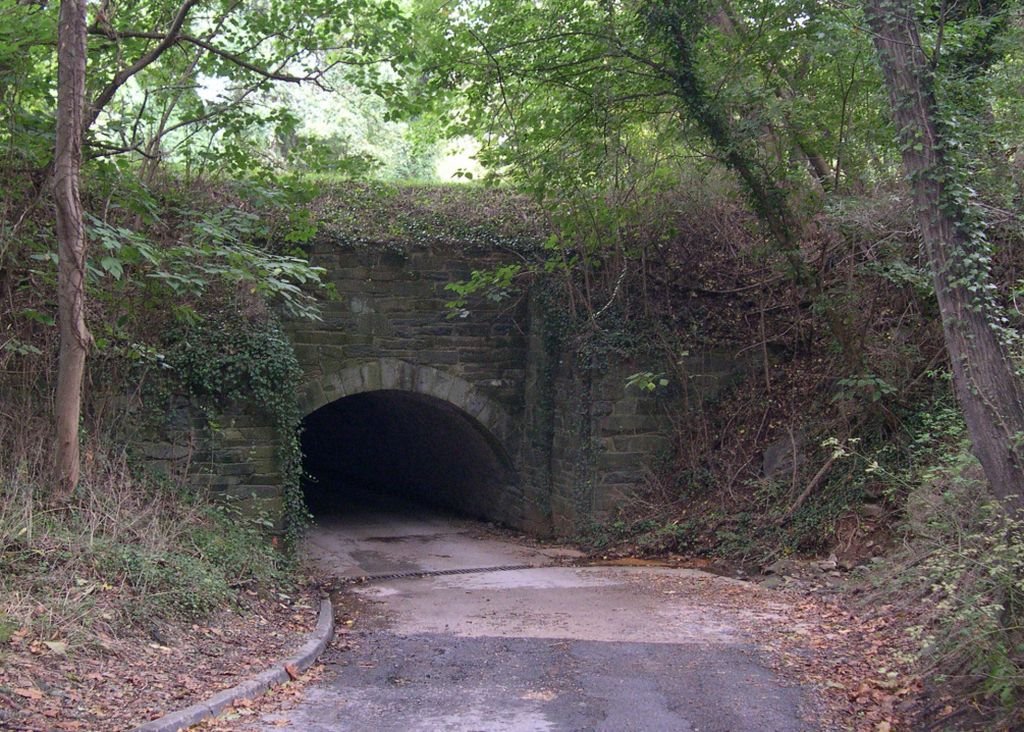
{"x": 406, "y": 218}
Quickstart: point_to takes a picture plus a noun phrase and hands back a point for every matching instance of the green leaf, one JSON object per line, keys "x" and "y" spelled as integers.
{"x": 112, "y": 266}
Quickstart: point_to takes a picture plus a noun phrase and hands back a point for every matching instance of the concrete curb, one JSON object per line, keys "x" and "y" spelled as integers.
{"x": 302, "y": 660}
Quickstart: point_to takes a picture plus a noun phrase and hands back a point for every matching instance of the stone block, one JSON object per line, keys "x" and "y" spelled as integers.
{"x": 619, "y": 460}
{"x": 438, "y": 357}
{"x": 480, "y": 409}
{"x": 350, "y": 382}
{"x": 389, "y": 373}
{"x": 626, "y": 406}
{"x": 312, "y": 397}
{"x": 359, "y": 352}
{"x": 373, "y": 324}
{"x": 407, "y": 374}
{"x": 248, "y": 435}
{"x": 166, "y": 451}
{"x": 250, "y": 490}
{"x": 222, "y": 483}
{"x": 622, "y": 424}
{"x": 608, "y": 499}
{"x": 271, "y": 508}
{"x": 306, "y": 354}
{"x": 232, "y": 468}
{"x": 330, "y": 356}
{"x": 262, "y": 452}
{"x": 459, "y": 392}
{"x": 314, "y": 337}
{"x": 370, "y": 376}
{"x": 647, "y": 443}
{"x": 350, "y": 271}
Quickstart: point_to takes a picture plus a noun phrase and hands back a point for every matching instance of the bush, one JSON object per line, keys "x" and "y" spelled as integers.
{"x": 972, "y": 568}
{"x": 963, "y": 570}
{"x": 128, "y": 551}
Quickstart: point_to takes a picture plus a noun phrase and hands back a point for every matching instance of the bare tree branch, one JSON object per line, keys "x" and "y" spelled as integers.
{"x": 234, "y": 58}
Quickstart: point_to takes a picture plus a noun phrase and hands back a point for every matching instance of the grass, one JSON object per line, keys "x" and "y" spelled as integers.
{"x": 129, "y": 550}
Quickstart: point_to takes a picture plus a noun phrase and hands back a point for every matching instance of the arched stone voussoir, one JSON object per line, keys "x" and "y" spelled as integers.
{"x": 392, "y": 373}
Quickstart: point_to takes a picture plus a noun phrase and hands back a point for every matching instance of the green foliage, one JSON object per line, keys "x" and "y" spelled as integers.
{"x": 169, "y": 585}
{"x": 867, "y": 386}
{"x": 646, "y": 381}
{"x": 978, "y": 586}
{"x": 27, "y": 98}
{"x": 399, "y": 219}
{"x": 7, "y": 629}
{"x": 566, "y": 98}
{"x": 216, "y": 249}
{"x": 226, "y": 538}
{"x": 966, "y": 560}
{"x": 209, "y": 103}
{"x": 644, "y": 536}
{"x": 496, "y": 285}
{"x": 248, "y": 362}
{"x": 128, "y": 551}
{"x": 960, "y": 570}
{"x": 673, "y": 536}
{"x": 158, "y": 257}
{"x": 237, "y": 360}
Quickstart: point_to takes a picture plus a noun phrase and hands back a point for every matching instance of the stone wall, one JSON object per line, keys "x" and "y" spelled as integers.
{"x": 389, "y": 329}
{"x": 605, "y": 440}
{"x": 579, "y": 441}
{"x": 235, "y": 457}
{"x": 391, "y": 306}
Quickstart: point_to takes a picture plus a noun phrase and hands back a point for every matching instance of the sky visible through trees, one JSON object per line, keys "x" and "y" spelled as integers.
{"x": 179, "y": 168}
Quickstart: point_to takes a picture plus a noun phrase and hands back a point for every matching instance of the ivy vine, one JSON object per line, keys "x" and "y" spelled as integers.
{"x": 249, "y": 362}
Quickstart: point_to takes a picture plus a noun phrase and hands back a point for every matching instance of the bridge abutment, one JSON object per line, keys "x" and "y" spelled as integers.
{"x": 553, "y": 443}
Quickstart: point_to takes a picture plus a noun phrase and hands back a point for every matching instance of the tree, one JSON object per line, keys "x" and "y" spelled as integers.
{"x": 245, "y": 49}
{"x": 988, "y": 386}
{"x": 144, "y": 60}
{"x": 67, "y": 164}
{"x": 559, "y": 90}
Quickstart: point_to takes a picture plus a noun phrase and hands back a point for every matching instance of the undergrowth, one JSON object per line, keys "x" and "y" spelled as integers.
{"x": 128, "y": 551}
{"x": 960, "y": 571}
{"x": 847, "y": 388}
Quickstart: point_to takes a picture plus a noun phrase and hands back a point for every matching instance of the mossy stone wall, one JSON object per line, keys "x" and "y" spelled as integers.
{"x": 579, "y": 440}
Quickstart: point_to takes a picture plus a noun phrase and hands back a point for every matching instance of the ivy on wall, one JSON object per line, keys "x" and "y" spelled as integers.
{"x": 249, "y": 362}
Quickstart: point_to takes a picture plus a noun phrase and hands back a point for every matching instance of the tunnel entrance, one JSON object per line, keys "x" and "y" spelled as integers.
{"x": 402, "y": 445}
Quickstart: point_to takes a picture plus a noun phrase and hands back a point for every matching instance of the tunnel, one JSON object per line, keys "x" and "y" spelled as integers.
{"x": 401, "y": 445}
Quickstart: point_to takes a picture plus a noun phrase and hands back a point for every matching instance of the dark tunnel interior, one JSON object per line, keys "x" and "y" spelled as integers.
{"x": 402, "y": 445}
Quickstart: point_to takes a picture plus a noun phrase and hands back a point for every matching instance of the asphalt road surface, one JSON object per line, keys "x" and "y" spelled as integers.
{"x": 547, "y": 647}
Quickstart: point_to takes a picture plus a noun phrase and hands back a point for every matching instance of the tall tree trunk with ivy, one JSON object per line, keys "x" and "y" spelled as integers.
{"x": 987, "y": 385}
{"x": 679, "y": 24}
{"x": 74, "y": 336}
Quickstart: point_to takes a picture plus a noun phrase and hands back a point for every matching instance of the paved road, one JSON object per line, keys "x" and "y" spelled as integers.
{"x": 546, "y": 648}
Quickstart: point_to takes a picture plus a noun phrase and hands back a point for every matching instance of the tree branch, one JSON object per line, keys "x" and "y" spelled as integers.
{"x": 121, "y": 77}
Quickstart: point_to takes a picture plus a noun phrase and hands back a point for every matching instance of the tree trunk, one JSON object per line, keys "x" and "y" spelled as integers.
{"x": 74, "y": 337}
{"x": 767, "y": 198}
{"x": 987, "y": 386}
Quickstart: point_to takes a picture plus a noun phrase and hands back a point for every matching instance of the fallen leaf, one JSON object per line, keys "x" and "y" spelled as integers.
{"x": 58, "y": 647}
{"x": 29, "y": 693}
{"x": 293, "y": 672}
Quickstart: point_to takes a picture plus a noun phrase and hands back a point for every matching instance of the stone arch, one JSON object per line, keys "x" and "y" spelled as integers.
{"x": 476, "y": 475}
{"x": 392, "y": 373}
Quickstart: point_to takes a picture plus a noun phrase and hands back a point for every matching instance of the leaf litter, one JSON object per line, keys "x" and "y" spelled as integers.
{"x": 119, "y": 683}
